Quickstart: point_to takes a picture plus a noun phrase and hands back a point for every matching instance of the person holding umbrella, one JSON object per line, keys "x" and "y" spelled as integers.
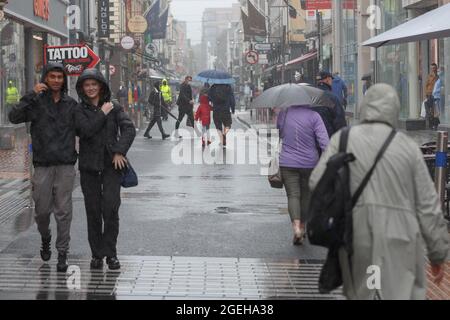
{"x": 304, "y": 136}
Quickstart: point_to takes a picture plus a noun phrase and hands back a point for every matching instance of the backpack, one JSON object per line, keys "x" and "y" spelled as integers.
{"x": 330, "y": 222}
{"x": 222, "y": 94}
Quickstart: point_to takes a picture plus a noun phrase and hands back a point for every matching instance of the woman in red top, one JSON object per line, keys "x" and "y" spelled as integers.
{"x": 204, "y": 114}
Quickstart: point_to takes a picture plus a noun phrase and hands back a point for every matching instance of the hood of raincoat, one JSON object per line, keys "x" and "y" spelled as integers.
{"x": 164, "y": 82}
{"x": 96, "y": 75}
{"x": 204, "y": 99}
{"x": 55, "y": 66}
{"x": 381, "y": 104}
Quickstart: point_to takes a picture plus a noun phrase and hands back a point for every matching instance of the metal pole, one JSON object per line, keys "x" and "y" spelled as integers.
{"x": 283, "y": 52}
{"x": 440, "y": 175}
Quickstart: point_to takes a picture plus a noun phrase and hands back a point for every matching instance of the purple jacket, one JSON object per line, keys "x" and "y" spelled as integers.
{"x": 302, "y": 132}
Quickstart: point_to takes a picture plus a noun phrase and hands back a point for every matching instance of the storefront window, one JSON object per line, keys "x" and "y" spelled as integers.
{"x": 394, "y": 67}
{"x": 12, "y": 57}
{"x": 444, "y": 74}
{"x": 350, "y": 51}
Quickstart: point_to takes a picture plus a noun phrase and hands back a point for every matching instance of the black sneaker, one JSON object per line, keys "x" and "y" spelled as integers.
{"x": 147, "y": 136}
{"x": 62, "y": 262}
{"x": 113, "y": 263}
{"x": 96, "y": 263}
{"x": 165, "y": 136}
{"x": 46, "y": 253}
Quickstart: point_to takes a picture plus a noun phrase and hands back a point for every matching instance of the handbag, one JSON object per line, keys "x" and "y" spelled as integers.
{"x": 275, "y": 178}
{"x": 129, "y": 176}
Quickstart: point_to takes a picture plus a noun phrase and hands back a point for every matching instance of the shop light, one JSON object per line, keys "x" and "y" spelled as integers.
{"x": 37, "y": 37}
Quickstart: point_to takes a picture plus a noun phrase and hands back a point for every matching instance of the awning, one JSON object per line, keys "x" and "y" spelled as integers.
{"x": 306, "y": 57}
{"x": 431, "y": 25}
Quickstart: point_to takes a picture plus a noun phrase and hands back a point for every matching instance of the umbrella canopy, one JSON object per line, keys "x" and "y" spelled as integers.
{"x": 215, "y": 77}
{"x": 288, "y": 95}
{"x": 431, "y": 25}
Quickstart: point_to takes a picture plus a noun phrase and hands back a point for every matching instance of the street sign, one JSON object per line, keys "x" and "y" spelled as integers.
{"x": 252, "y": 57}
{"x": 263, "y": 46}
{"x": 75, "y": 58}
{"x": 262, "y": 59}
{"x": 127, "y": 42}
{"x": 151, "y": 49}
{"x": 112, "y": 70}
{"x": 137, "y": 24}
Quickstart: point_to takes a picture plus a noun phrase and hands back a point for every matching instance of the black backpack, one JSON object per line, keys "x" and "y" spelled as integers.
{"x": 330, "y": 221}
{"x": 222, "y": 94}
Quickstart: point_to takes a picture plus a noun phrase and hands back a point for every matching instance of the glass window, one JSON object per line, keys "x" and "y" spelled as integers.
{"x": 12, "y": 58}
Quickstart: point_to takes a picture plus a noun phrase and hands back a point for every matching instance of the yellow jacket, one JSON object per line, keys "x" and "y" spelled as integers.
{"x": 12, "y": 95}
{"x": 166, "y": 92}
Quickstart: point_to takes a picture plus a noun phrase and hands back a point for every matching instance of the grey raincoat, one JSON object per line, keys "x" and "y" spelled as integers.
{"x": 397, "y": 215}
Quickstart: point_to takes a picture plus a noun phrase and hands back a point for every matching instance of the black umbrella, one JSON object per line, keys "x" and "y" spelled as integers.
{"x": 288, "y": 95}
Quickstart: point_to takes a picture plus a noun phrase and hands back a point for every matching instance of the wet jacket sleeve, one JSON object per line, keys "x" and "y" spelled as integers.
{"x": 22, "y": 112}
{"x": 330, "y": 151}
{"x": 429, "y": 213}
{"x": 320, "y": 132}
{"x": 87, "y": 126}
{"x": 127, "y": 133}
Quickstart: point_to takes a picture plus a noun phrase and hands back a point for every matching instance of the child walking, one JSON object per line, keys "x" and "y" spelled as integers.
{"x": 204, "y": 114}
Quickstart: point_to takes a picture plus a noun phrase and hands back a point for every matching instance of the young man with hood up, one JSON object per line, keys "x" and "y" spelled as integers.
{"x": 51, "y": 113}
{"x": 167, "y": 96}
{"x": 102, "y": 157}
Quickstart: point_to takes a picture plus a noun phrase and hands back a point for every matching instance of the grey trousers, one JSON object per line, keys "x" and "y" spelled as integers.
{"x": 297, "y": 190}
{"x": 52, "y": 193}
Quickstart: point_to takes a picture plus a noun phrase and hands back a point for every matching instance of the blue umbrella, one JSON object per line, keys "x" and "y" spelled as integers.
{"x": 215, "y": 77}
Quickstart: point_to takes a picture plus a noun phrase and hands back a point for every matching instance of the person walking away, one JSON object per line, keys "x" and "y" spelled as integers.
{"x": 397, "y": 213}
{"x": 52, "y": 115}
{"x": 102, "y": 157}
{"x": 429, "y": 87}
{"x": 167, "y": 96}
{"x": 300, "y": 130}
{"x": 157, "y": 101}
{"x": 333, "y": 116}
{"x": 185, "y": 104}
{"x": 204, "y": 114}
{"x": 339, "y": 88}
{"x": 224, "y": 103}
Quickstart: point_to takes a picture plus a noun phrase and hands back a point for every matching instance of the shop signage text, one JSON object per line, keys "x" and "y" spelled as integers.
{"x": 103, "y": 18}
{"x": 42, "y": 9}
{"x": 75, "y": 58}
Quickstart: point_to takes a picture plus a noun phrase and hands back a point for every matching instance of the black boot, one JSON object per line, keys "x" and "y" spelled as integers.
{"x": 46, "y": 253}
{"x": 165, "y": 136}
{"x": 62, "y": 262}
{"x": 96, "y": 263}
{"x": 147, "y": 135}
{"x": 113, "y": 263}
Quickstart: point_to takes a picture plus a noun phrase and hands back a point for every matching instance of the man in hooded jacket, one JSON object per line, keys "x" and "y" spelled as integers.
{"x": 398, "y": 212}
{"x": 51, "y": 113}
{"x": 166, "y": 92}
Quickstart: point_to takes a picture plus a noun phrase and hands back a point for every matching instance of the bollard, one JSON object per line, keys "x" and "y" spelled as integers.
{"x": 440, "y": 178}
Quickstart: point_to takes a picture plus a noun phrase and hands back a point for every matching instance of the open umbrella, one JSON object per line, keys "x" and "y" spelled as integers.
{"x": 288, "y": 95}
{"x": 215, "y": 77}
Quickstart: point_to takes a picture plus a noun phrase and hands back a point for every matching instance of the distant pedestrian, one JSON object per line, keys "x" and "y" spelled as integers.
{"x": 224, "y": 103}
{"x": 106, "y": 134}
{"x": 157, "y": 101}
{"x": 167, "y": 97}
{"x": 397, "y": 213}
{"x": 203, "y": 114}
{"x": 52, "y": 115}
{"x": 304, "y": 137}
{"x": 333, "y": 116}
{"x": 339, "y": 88}
{"x": 433, "y": 117}
{"x": 367, "y": 78}
{"x": 185, "y": 104}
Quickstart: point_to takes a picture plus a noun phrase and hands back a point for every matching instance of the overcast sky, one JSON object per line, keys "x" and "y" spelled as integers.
{"x": 191, "y": 11}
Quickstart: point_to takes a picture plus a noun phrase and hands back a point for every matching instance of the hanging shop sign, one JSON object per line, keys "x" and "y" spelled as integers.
{"x": 103, "y": 19}
{"x": 75, "y": 58}
{"x": 137, "y": 24}
{"x": 127, "y": 42}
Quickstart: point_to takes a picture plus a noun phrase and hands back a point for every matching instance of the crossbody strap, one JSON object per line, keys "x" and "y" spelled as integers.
{"x": 369, "y": 174}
